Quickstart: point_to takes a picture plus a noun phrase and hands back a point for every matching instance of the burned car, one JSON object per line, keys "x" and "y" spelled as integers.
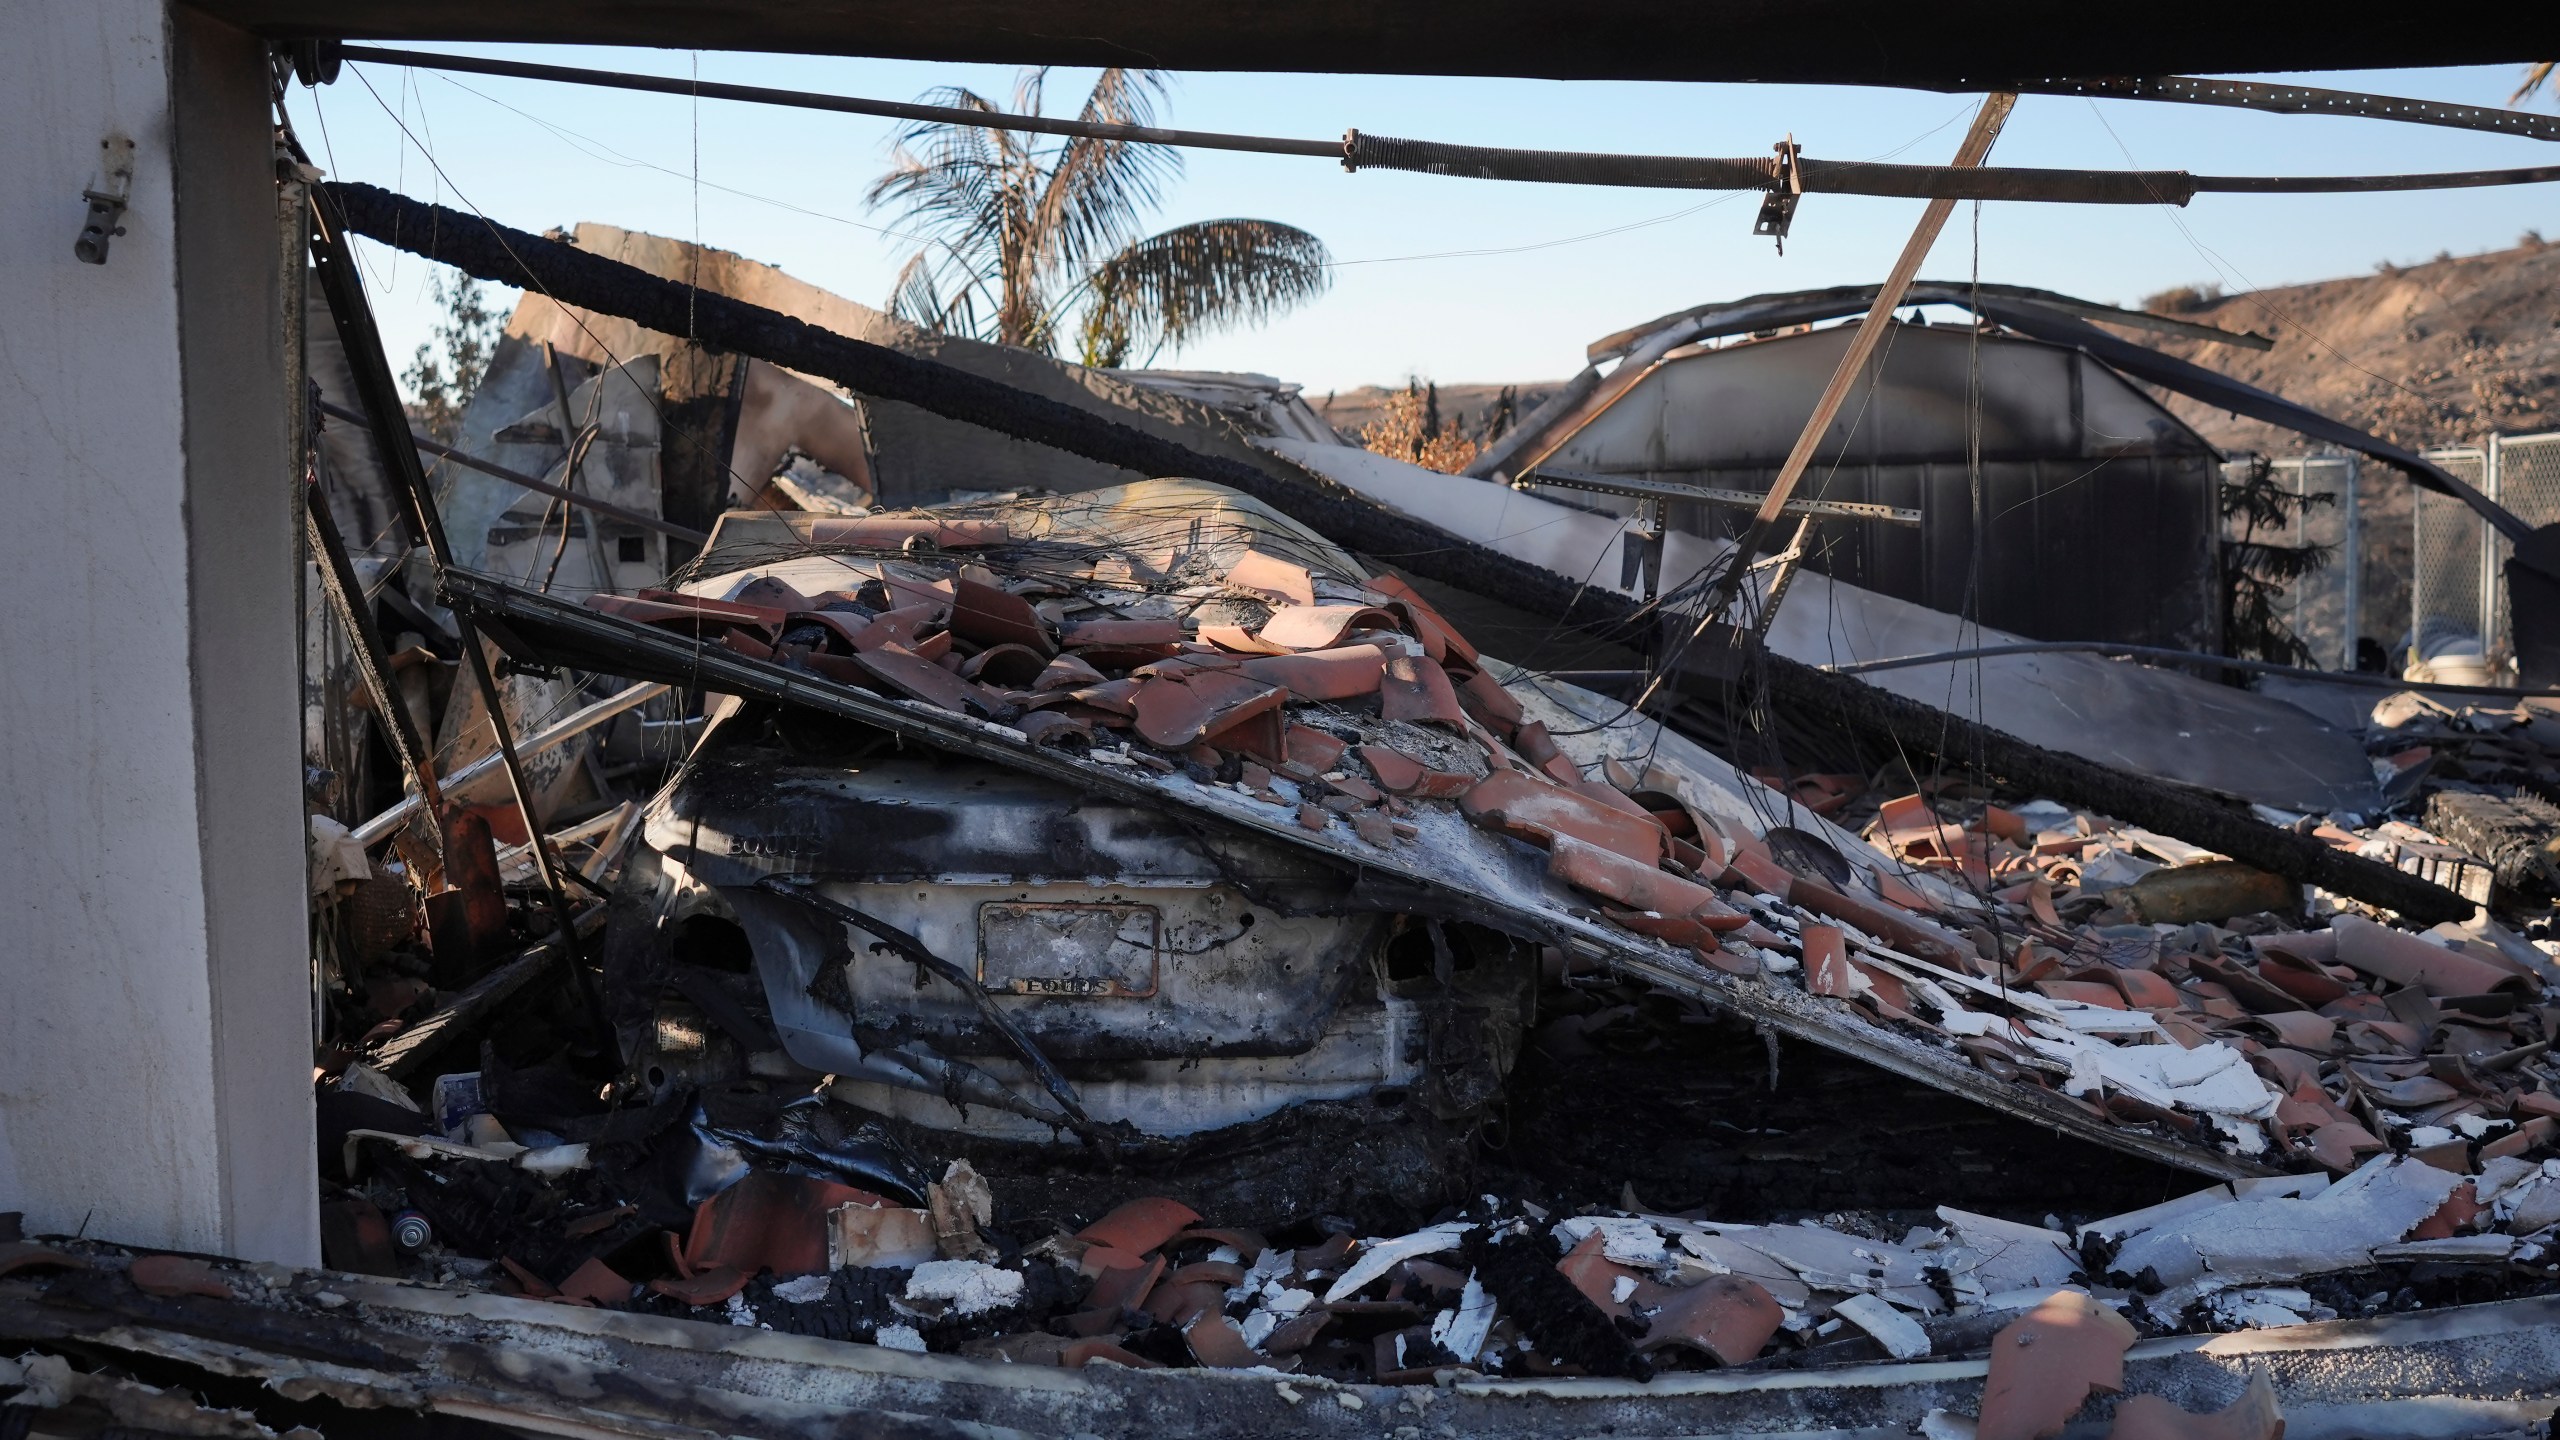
{"x": 992, "y": 956}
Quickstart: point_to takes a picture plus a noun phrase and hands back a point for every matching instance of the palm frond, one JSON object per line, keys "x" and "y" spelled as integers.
{"x": 1096, "y": 189}
{"x": 916, "y": 297}
{"x": 2535, "y": 76}
{"x": 1168, "y": 288}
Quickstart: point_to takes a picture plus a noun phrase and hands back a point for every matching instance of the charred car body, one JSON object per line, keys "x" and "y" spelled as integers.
{"x": 1185, "y": 982}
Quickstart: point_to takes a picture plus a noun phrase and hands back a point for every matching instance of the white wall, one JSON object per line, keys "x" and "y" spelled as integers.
{"x": 154, "y": 1000}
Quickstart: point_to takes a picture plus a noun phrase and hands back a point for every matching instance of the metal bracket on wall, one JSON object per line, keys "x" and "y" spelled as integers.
{"x": 107, "y": 202}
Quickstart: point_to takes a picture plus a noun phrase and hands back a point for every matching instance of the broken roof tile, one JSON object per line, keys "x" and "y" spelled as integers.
{"x": 1271, "y": 575}
{"x": 1637, "y": 886}
{"x": 1422, "y": 610}
{"x": 1416, "y": 689}
{"x": 993, "y": 616}
{"x": 1313, "y": 748}
{"x": 2045, "y": 1366}
{"x": 1532, "y": 810}
{"x": 2405, "y": 959}
{"x": 1346, "y": 673}
{"x": 1235, "y": 639}
{"x": 1140, "y": 1225}
{"x": 769, "y": 1221}
{"x": 171, "y": 1275}
{"x": 598, "y": 1284}
{"x": 1321, "y": 627}
{"x": 907, "y": 673}
{"x": 1173, "y": 712}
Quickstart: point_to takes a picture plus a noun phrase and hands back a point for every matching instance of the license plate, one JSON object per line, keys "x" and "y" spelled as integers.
{"x": 1093, "y": 952}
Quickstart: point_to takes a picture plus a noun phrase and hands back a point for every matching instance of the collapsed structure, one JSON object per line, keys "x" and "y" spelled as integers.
{"x": 1105, "y": 926}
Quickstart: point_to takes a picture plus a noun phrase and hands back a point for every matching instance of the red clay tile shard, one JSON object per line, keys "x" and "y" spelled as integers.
{"x": 169, "y": 1275}
{"x": 2405, "y": 959}
{"x": 1531, "y": 810}
{"x": 1685, "y": 930}
{"x": 1395, "y": 770}
{"x": 1596, "y": 1275}
{"x": 1271, "y": 575}
{"x": 1174, "y": 713}
{"x": 892, "y": 532}
{"x": 769, "y": 1221}
{"x": 1344, "y": 674}
{"x": 1726, "y": 1316}
{"x": 1311, "y": 817}
{"x": 2005, "y": 824}
{"x": 1535, "y": 745}
{"x": 2533, "y": 1134}
{"x": 900, "y": 627}
{"x": 1750, "y": 865}
{"x": 1484, "y": 698}
{"x": 1013, "y": 667}
{"x": 17, "y": 1255}
{"x": 598, "y": 1284}
{"x": 1172, "y": 1303}
{"x": 675, "y": 604}
{"x": 1826, "y": 961}
{"x": 1235, "y": 639}
{"x": 2086, "y": 992}
{"x": 990, "y": 616}
{"x": 1140, "y": 1225}
{"x": 1321, "y": 627}
{"x": 1218, "y": 1343}
{"x": 1417, "y": 690}
{"x": 527, "y": 1283}
{"x": 1421, "y": 610}
{"x": 1637, "y": 886}
{"x": 1120, "y": 1279}
{"x": 1066, "y": 672}
{"x": 1894, "y": 926}
{"x": 1313, "y": 748}
{"x": 2045, "y": 1366}
{"x": 906, "y": 673}
{"x": 708, "y": 1287}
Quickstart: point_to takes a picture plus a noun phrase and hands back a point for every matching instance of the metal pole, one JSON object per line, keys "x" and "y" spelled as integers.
{"x": 2352, "y": 556}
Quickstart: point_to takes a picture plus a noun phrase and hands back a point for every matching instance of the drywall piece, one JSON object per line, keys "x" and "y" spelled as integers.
{"x": 2280, "y": 1238}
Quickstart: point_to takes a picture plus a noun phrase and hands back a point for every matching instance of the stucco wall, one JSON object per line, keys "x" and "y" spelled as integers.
{"x": 154, "y": 1047}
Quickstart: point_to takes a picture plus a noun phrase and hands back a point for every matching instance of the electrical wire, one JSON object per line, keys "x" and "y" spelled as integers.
{"x": 1357, "y": 151}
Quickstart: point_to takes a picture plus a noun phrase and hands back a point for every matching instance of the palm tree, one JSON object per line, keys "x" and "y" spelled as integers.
{"x": 1031, "y": 239}
{"x": 2535, "y": 77}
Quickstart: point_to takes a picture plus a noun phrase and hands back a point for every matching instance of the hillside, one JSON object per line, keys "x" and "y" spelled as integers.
{"x": 2435, "y": 354}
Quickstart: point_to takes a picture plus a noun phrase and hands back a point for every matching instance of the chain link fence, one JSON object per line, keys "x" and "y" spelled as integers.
{"x": 2451, "y": 603}
{"x": 2525, "y": 473}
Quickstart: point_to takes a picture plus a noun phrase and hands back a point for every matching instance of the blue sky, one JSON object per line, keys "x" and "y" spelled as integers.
{"x": 1453, "y": 280}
